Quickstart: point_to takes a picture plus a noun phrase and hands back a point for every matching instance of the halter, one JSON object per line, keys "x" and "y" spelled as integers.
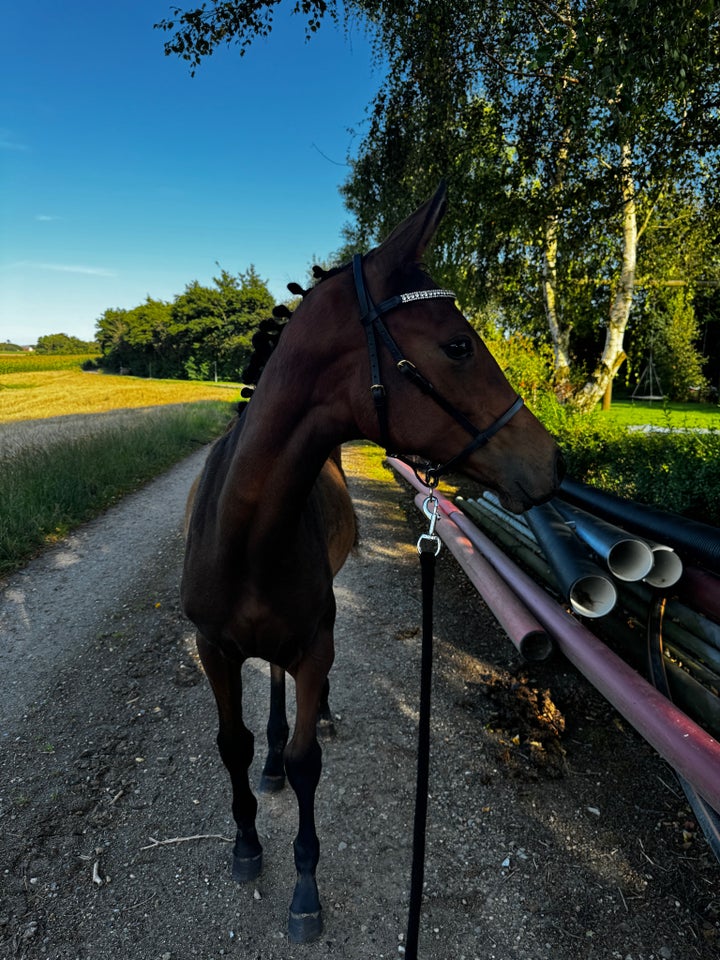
{"x": 376, "y": 332}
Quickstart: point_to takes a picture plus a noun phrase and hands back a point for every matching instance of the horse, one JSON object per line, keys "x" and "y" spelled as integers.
{"x": 374, "y": 350}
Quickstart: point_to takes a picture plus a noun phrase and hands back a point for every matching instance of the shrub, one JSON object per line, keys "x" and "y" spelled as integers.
{"x": 673, "y": 470}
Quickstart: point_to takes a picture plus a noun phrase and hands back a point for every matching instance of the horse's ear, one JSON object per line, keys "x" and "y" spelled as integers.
{"x": 409, "y": 240}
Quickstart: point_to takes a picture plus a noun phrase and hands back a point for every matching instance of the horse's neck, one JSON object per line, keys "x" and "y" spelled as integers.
{"x": 300, "y": 412}
{"x": 277, "y": 460}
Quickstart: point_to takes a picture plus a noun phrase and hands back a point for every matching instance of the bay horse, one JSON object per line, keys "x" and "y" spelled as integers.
{"x": 271, "y": 522}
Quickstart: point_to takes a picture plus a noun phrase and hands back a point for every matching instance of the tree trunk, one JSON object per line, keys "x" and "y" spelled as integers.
{"x": 559, "y": 333}
{"x": 621, "y": 300}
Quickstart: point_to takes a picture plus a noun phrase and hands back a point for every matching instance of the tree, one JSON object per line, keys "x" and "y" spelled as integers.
{"x": 596, "y": 109}
{"x": 559, "y": 124}
{"x": 62, "y": 343}
{"x": 205, "y": 333}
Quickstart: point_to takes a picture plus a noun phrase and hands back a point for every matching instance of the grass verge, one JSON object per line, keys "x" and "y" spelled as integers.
{"x": 46, "y": 492}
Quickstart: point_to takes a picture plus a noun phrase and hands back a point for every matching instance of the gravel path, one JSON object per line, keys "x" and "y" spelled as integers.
{"x": 555, "y": 832}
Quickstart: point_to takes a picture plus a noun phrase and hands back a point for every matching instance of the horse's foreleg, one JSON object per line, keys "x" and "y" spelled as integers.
{"x": 273, "y": 775}
{"x": 303, "y": 763}
{"x": 235, "y": 743}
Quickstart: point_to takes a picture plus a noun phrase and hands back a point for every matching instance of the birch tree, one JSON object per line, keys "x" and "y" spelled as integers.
{"x": 558, "y": 124}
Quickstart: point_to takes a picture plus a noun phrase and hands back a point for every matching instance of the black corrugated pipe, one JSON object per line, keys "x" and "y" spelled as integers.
{"x": 584, "y": 584}
{"x": 692, "y": 538}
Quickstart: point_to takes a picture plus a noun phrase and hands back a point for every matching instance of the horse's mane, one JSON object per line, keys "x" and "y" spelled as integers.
{"x": 270, "y": 330}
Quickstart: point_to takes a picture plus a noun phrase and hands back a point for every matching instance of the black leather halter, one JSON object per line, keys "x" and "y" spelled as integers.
{"x": 376, "y": 332}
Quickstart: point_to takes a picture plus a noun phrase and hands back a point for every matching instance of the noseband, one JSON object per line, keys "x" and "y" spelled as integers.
{"x": 377, "y": 332}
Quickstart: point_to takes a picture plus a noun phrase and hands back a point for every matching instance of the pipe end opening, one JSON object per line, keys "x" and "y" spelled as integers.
{"x": 630, "y": 560}
{"x": 667, "y": 568}
{"x": 536, "y": 646}
{"x": 592, "y": 596}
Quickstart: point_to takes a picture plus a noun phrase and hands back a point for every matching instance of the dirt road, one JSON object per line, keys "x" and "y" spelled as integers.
{"x": 555, "y": 832}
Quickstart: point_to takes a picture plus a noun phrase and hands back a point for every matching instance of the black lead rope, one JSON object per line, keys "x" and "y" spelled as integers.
{"x": 428, "y": 548}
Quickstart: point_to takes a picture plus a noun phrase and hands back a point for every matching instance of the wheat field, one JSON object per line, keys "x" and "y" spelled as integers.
{"x": 32, "y": 395}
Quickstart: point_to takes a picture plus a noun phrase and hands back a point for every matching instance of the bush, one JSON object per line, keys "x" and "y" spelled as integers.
{"x": 674, "y": 471}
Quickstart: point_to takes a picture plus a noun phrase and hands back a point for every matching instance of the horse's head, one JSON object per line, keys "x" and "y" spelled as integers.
{"x": 436, "y": 390}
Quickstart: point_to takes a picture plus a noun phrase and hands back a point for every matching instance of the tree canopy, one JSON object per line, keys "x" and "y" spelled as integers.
{"x": 204, "y": 333}
{"x": 567, "y": 129}
{"x": 63, "y": 343}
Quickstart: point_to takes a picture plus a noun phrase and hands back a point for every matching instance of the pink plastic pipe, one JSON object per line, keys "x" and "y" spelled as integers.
{"x": 523, "y": 629}
{"x": 679, "y": 740}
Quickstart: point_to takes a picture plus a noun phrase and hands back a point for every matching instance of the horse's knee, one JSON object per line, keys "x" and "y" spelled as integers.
{"x": 303, "y": 767}
{"x": 236, "y": 748}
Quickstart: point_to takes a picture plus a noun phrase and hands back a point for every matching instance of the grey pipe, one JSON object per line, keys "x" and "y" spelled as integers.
{"x": 692, "y": 538}
{"x": 667, "y": 566}
{"x": 516, "y": 521}
{"x": 521, "y": 531}
{"x": 585, "y": 586}
{"x": 626, "y": 556}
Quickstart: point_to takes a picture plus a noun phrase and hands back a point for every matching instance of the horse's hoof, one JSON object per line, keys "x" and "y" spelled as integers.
{"x": 245, "y": 869}
{"x": 271, "y": 783}
{"x": 304, "y": 927}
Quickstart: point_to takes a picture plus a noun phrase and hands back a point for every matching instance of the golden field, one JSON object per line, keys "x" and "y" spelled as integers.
{"x": 31, "y": 395}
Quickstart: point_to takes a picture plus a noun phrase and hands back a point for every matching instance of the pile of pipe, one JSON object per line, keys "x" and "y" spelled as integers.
{"x": 602, "y": 579}
{"x": 616, "y": 575}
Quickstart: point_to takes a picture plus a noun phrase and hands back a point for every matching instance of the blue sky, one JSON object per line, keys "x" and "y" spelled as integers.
{"x": 121, "y": 176}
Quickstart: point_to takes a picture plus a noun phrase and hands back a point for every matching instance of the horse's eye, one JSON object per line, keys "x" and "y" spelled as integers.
{"x": 459, "y": 349}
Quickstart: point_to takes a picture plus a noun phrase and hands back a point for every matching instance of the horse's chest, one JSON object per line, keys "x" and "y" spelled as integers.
{"x": 278, "y": 625}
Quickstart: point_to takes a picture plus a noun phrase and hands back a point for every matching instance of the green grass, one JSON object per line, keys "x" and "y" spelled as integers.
{"x": 46, "y": 492}
{"x": 661, "y": 413}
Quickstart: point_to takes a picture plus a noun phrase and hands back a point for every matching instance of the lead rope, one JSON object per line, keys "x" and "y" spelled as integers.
{"x": 428, "y": 547}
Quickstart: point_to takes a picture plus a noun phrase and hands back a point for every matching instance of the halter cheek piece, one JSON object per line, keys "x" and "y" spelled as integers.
{"x": 376, "y": 332}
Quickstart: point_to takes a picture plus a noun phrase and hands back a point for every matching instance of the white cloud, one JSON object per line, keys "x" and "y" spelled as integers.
{"x": 45, "y": 218}
{"x": 63, "y": 268}
{"x": 8, "y": 142}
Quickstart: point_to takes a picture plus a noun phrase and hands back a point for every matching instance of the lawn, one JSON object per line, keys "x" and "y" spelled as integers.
{"x": 662, "y": 413}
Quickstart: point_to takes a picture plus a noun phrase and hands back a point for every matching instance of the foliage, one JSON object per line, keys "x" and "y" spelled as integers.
{"x": 11, "y": 348}
{"x": 673, "y": 466}
{"x": 61, "y": 343}
{"x": 563, "y": 126}
{"x": 46, "y": 491}
{"x": 668, "y": 335}
{"x": 196, "y": 33}
{"x": 205, "y": 333}
{"x": 673, "y": 470}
